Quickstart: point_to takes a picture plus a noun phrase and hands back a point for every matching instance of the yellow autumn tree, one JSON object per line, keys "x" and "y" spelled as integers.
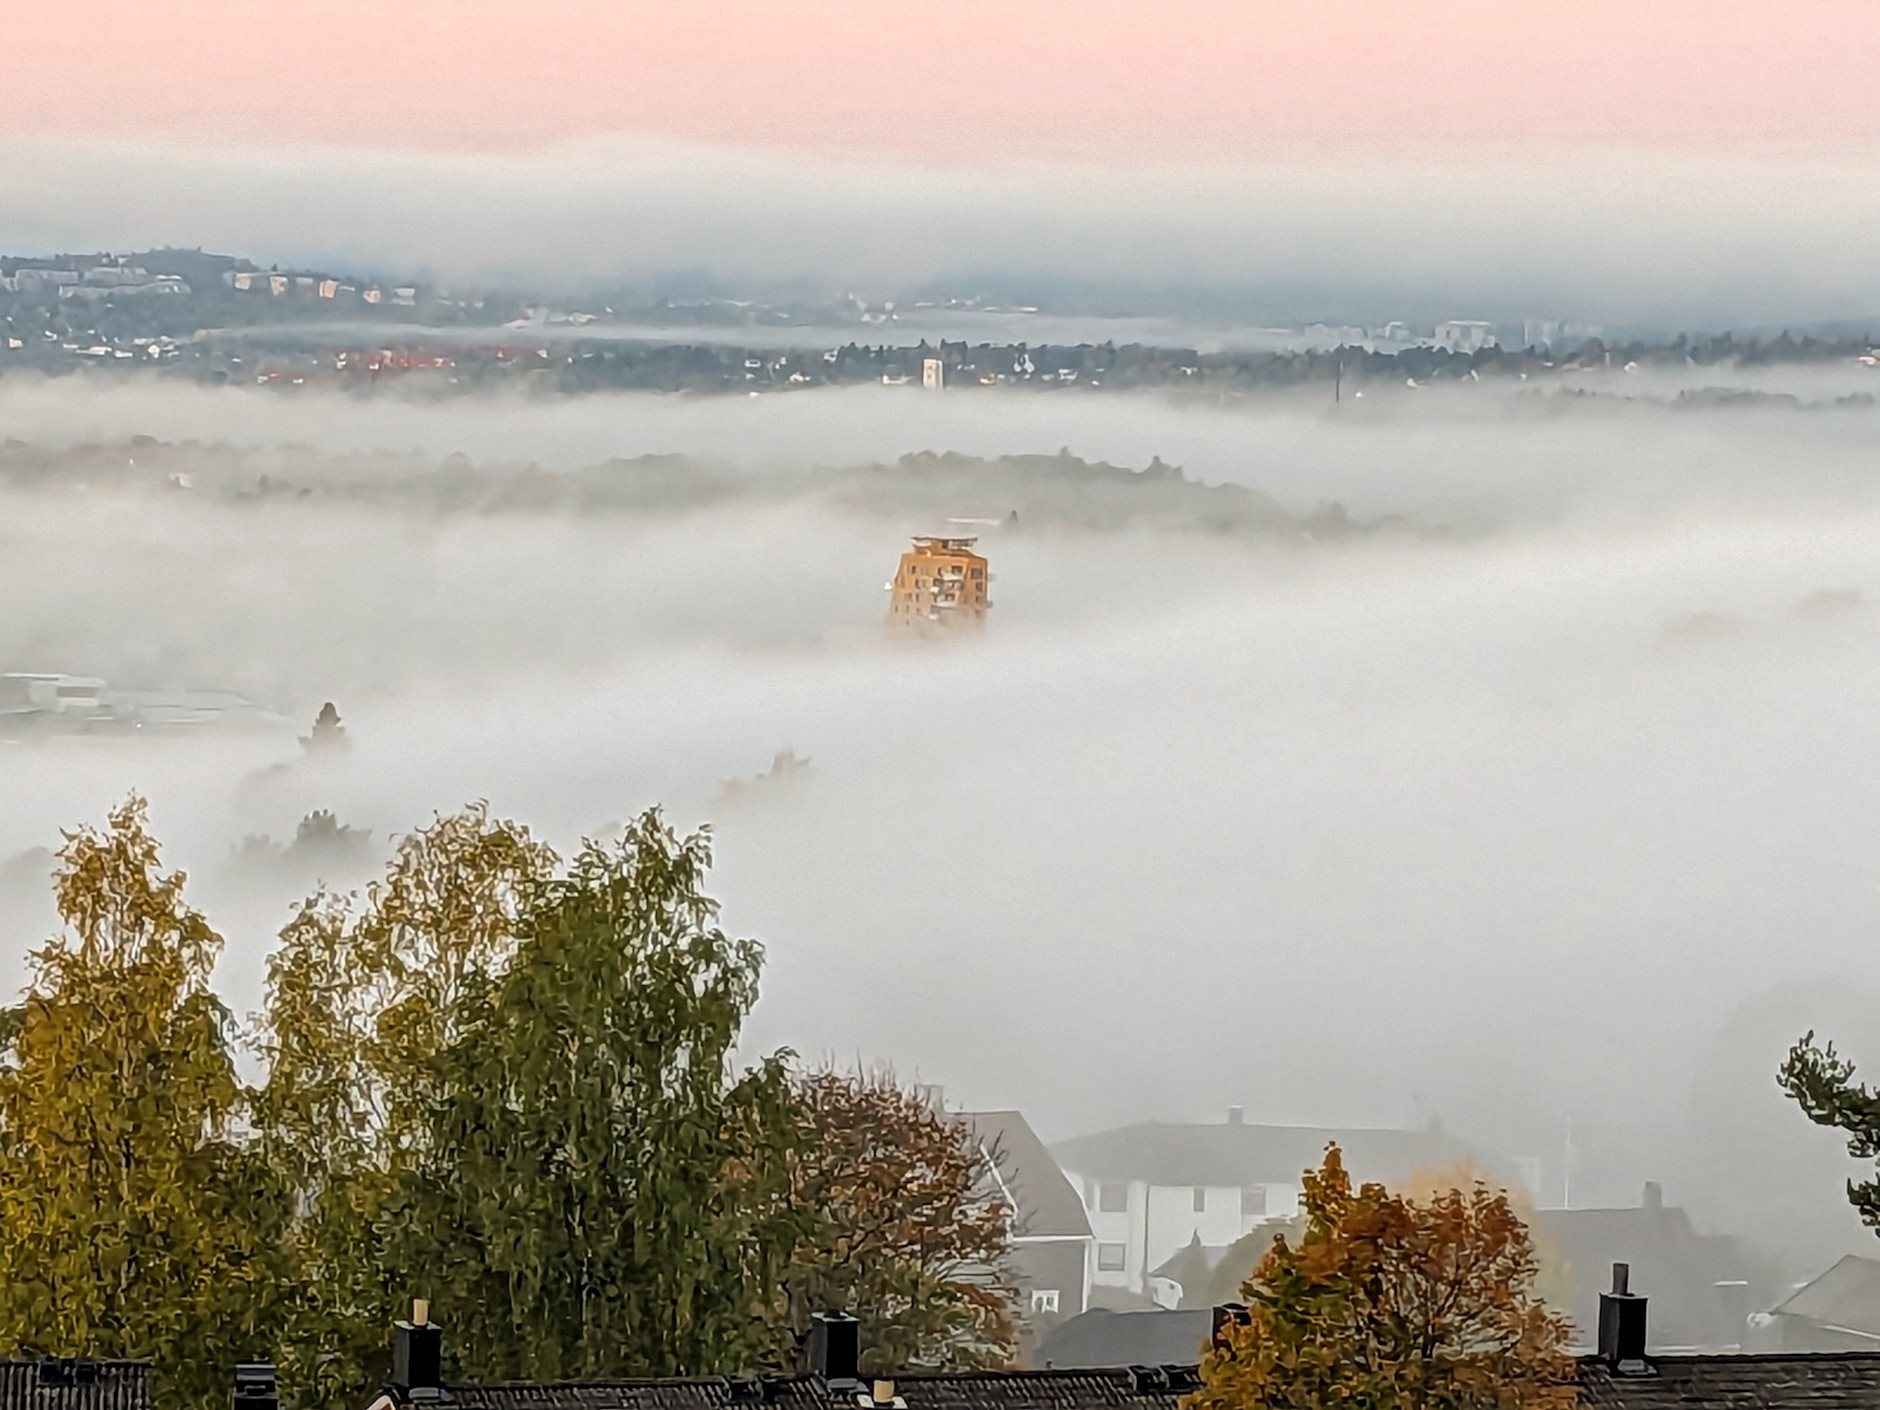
{"x": 1385, "y": 1301}
{"x": 133, "y": 1220}
{"x": 1553, "y": 1278}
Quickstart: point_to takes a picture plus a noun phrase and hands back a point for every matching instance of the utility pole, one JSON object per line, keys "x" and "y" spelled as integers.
{"x": 1338, "y": 378}
{"x": 1566, "y": 1170}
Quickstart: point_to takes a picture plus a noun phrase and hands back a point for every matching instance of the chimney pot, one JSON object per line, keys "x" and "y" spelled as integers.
{"x": 420, "y": 1312}
{"x": 884, "y": 1392}
{"x": 1654, "y": 1195}
{"x": 835, "y": 1349}
{"x": 1236, "y": 1115}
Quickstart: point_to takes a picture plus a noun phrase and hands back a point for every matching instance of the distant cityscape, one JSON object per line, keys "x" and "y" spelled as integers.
{"x": 220, "y": 319}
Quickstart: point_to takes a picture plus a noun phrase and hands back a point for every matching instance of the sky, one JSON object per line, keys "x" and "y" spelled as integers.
{"x": 1679, "y": 164}
{"x": 1225, "y": 78}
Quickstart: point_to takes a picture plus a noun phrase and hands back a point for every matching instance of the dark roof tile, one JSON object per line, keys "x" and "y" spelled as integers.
{"x": 74, "y": 1385}
{"x": 1817, "y": 1381}
{"x": 1009, "y": 1390}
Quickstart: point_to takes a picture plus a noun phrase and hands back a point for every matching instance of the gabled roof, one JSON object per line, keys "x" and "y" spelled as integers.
{"x": 1804, "y": 1381}
{"x": 74, "y": 1384}
{"x": 1047, "y": 1206}
{"x": 970, "y": 1390}
{"x": 1102, "y": 1338}
{"x": 1191, "y": 1264}
{"x": 1679, "y": 1267}
{"x": 1234, "y": 1153}
{"x": 1846, "y": 1297}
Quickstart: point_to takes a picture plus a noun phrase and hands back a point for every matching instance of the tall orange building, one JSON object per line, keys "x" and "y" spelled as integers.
{"x": 941, "y": 583}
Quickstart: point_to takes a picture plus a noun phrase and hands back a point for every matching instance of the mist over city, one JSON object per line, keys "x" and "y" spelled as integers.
{"x": 1197, "y": 655}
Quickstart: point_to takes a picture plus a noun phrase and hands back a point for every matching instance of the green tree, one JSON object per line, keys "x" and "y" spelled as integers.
{"x": 1822, "y": 1083}
{"x": 1389, "y": 1302}
{"x": 132, "y": 1222}
{"x": 365, "y": 996}
{"x": 599, "y": 1191}
{"x": 907, "y": 1232}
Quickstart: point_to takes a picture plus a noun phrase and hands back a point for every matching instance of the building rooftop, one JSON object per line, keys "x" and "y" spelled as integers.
{"x": 1102, "y": 1338}
{"x": 74, "y": 1384}
{"x": 1846, "y": 1298}
{"x": 1702, "y": 1285}
{"x": 1235, "y": 1153}
{"x": 1818, "y": 1381}
{"x": 967, "y": 1390}
{"x": 1045, "y": 1203}
{"x": 1804, "y": 1381}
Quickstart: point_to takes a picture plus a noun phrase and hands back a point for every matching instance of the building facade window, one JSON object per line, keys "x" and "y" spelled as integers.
{"x": 1112, "y": 1197}
{"x": 1044, "y": 1300}
{"x": 1111, "y": 1258}
{"x": 1201, "y": 1199}
{"x": 1253, "y": 1201}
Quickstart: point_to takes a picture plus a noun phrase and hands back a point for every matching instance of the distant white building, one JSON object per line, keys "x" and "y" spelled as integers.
{"x": 29, "y": 280}
{"x": 1154, "y": 1189}
{"x": 1464, "y": 335}
{"x": 1543, "y": 333}
{"x": 933, "y": 374}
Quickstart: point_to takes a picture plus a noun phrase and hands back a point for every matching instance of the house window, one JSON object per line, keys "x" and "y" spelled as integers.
{"x": 1044, "y": 1300}
{"x": 1201, "y": 1199}
{"x": 1253, "y": 1201}
{"x": 1110, "y": 1258}
{"x": 1112, "y": 1198}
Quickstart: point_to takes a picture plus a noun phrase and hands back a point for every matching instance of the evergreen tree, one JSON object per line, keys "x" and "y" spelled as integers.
{"x": 329, "y": 735}
{"x": 1822, "y": 1083}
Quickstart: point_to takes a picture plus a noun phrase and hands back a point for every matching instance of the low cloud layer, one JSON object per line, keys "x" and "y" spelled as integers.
{"x": 1561, "y": 814}
{"x": 1635, "y": 236}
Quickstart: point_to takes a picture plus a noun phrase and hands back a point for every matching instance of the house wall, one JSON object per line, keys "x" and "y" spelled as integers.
{"x": 1162, "y": 1219}
{"x": 1054, "y": 1265}
{"x": 917, "y": 584}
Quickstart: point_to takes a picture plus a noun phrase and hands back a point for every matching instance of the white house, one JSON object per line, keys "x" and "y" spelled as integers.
{"x": 1050, "y": 1233}
{"x": 1154, "y": 1188}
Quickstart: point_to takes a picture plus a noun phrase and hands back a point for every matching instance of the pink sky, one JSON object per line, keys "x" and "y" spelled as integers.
{"x": 996, "y": 77}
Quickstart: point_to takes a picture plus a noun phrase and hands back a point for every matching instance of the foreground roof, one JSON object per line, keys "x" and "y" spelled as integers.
{"x": 1235, "y": 1153}
{"x": 64, "y": 1384}
{"x": 984, "y": 1390}
{"x": 1821, "y": 1380}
